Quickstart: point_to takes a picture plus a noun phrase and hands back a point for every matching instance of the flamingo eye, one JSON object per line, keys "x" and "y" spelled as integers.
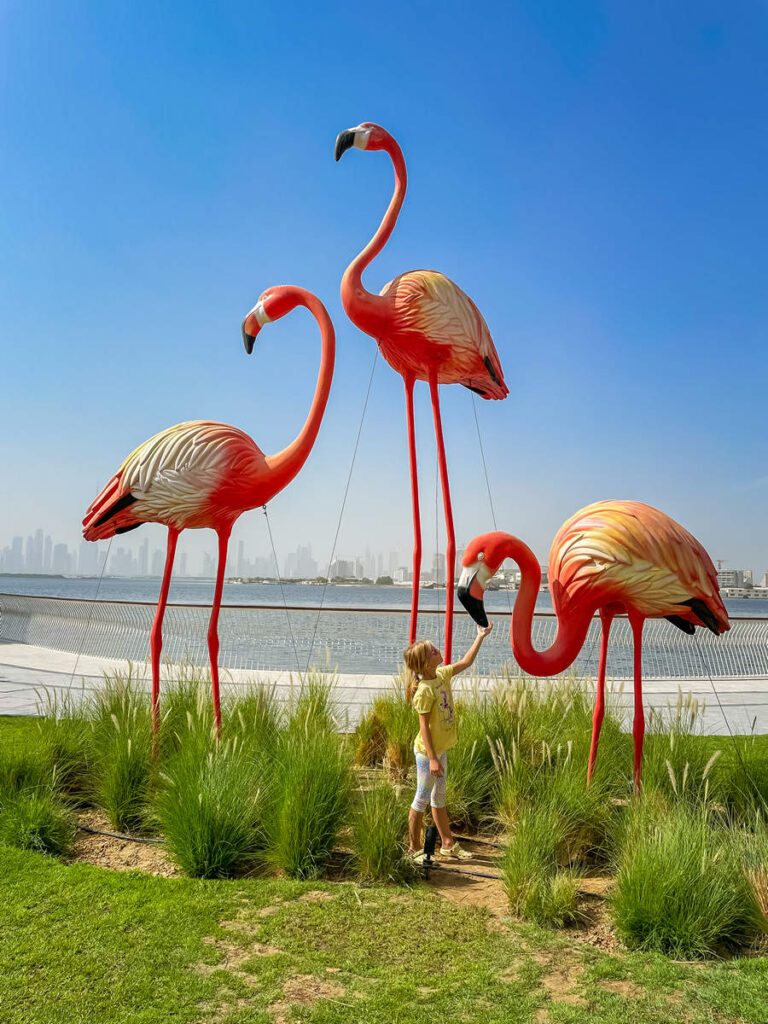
{"x": 480, "y": 557}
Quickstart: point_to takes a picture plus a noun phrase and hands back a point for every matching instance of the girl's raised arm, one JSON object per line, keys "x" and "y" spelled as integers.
{"x": 469, "y": 657}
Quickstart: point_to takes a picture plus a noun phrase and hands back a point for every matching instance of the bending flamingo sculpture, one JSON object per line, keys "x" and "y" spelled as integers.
{"x": 427, "y": 329}
{"x": 611, "y": 557}
{"x": 206, "y": 474}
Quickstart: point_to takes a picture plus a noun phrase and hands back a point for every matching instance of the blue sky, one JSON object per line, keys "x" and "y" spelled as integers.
{"x": 592, "y": 174}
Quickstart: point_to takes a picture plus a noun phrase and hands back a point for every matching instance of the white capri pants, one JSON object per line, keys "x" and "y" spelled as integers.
{"x": 429, "y": 788}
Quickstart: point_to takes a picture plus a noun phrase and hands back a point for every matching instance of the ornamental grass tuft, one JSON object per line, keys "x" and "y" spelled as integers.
{"x": 210, "y": 804}
{"x": 36, "y": 820}
{"x": 681, "y": 887}
{"x": 122, "y": 724}
{"x": 537, "y": 888}
{"x": 310, "y": 801}
{"x": 379, "y": 831}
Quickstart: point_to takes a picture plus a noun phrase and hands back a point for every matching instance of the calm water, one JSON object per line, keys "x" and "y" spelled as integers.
{"x": 187, "y": 591}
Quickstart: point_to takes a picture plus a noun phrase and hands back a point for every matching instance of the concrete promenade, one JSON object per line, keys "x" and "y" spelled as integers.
{"x": 29, "y": 674}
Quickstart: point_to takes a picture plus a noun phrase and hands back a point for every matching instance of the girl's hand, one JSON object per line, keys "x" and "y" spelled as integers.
{"x": 483, "y": 631}
{"x": 435, "y": 767}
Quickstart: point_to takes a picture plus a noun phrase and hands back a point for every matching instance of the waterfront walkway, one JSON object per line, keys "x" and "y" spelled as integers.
{"x": 30, "y": 676}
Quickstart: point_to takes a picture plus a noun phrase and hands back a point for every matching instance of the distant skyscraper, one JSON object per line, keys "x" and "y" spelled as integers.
{"x": 144, "y": 557}
{"x": 47, "y": 553}
{"x": 158, "y": 562}
{"x": 60, "y": 560}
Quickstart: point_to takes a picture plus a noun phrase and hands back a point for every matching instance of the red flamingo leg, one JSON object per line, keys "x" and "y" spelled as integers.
{"x": 416, "y": 517}
{"x": 606, "y": 619}
{"x": 450, "y": 551}
{"x": 156, "y": 636}
{"x": 213, "y": 625}
{"x": 638, "y": 727}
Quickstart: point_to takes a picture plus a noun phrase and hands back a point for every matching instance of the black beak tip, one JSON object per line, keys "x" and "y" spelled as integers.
{"x": 475, "y": 608}
{"x": 344, "y": 141}
{"x": 248, "y": 340}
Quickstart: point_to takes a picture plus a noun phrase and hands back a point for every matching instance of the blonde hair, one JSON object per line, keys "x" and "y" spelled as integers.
{"x": 416, "y": 659}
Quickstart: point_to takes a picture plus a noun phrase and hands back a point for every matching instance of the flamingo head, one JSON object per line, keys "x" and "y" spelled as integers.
{"x": 482, "y": 559}
{"x": 365, "y": 136}
{"x": 272, "y": 304}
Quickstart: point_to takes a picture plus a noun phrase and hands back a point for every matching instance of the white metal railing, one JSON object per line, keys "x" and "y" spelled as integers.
{"x": 358, "y": 640}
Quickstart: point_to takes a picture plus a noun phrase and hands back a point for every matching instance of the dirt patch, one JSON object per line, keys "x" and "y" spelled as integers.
{"x": 625, "y": 989}
{"x": 316, "y": 896}
{"x": 304, "y": 990}
{"x": 118, "y": 854}
{"x": 467, "y": 890}
{"x": 560, "y": 977}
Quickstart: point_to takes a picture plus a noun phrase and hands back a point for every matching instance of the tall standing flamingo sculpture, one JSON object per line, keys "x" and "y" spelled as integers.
{"x": 427, "y": 329}
{"x": 206, "y": 474}
{"x": 612, "y": 557}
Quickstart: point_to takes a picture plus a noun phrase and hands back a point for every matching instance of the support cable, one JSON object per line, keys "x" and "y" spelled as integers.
{"x": 746, "y": 773}
{"x": 282, "y": 593}
{"x": 343, "y": 505}
{"x": 90, "y": 614}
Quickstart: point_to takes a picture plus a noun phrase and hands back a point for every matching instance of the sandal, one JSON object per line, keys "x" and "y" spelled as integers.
{"x": 456, "y": 852}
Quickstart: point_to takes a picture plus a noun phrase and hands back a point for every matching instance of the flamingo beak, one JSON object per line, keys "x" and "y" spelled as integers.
{"x": 248, "y": 338}
{"x": 344, "y": 141}
{"x": 471, "y": 591}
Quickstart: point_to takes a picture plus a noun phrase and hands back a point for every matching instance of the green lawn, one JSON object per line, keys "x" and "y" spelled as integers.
{"x": 79, "y": 943}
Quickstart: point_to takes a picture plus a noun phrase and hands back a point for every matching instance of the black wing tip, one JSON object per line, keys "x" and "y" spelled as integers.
{"x": 700, "y": 608}
{"x": 125, "y": 502}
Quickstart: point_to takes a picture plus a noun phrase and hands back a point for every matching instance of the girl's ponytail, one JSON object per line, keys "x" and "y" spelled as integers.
{"x": 416, "y": 659}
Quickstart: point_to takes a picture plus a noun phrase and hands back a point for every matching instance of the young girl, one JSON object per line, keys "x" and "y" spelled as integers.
{"x": 429, "y": 688}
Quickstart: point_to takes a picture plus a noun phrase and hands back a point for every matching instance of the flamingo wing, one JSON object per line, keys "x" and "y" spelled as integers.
{"x": 633, "y": 554}
{"x": 429, "y": 304}
{"x": 170, "y": 478}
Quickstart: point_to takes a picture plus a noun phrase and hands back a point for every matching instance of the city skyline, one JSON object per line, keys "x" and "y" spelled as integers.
{"x": 40, "y": 554}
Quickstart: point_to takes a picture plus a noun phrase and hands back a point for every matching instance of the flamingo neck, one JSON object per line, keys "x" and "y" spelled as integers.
{"x": 365, "y": 310}
{"x": 571, "y": 629}
{"x": 284, "y": 465}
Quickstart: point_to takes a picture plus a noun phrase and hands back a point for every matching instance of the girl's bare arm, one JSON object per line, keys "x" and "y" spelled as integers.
{"x": 426, "y": 734}
{"x": 469, "y": 657}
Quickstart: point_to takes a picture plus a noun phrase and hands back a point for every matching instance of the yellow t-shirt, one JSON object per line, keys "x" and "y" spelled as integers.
{"x": 434, "y": 698}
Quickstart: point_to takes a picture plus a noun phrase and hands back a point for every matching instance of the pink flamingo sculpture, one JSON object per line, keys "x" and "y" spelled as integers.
{"x": 612, "y": 557}
{"x": 427, "y": 329}
{"x": 206, "y": 474}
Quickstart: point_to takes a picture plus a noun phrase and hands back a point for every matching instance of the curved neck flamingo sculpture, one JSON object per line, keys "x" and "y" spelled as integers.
{"x": 206, "y": 474}
{"x": 611, "y": 557}
{"x": 427, "y": 329}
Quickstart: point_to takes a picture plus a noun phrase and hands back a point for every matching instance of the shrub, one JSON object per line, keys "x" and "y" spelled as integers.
{"x": 210, "y": 806}
{"x": 36, "y": 820}
{"x": 675, "y": 760}
{"x": 23, "y": 770}
{"x": 402, "y": 725}
{"x": 313, "y": 707}
{"x": 67, "y": 739}
{"x": 123, "y": 752}
{"x": 379, "y": 828}
{"x": 370, "y": 739}
{"x": 470, "y": 765}
{"x": 681, "y": 889}
{"x": 536, "y": 888}
{"x": 255, "y": 719}
{"x": 312, "y": 789}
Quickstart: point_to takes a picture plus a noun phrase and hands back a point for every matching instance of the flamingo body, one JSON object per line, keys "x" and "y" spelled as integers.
{"x": 435, "y": 328}
{"x": 630, "y": 554}
{"x": 194, "y": 475}
{"x": 611, "y": 557}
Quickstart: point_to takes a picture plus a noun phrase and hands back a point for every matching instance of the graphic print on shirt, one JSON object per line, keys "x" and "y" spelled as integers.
{"x": 446, "y": 710}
